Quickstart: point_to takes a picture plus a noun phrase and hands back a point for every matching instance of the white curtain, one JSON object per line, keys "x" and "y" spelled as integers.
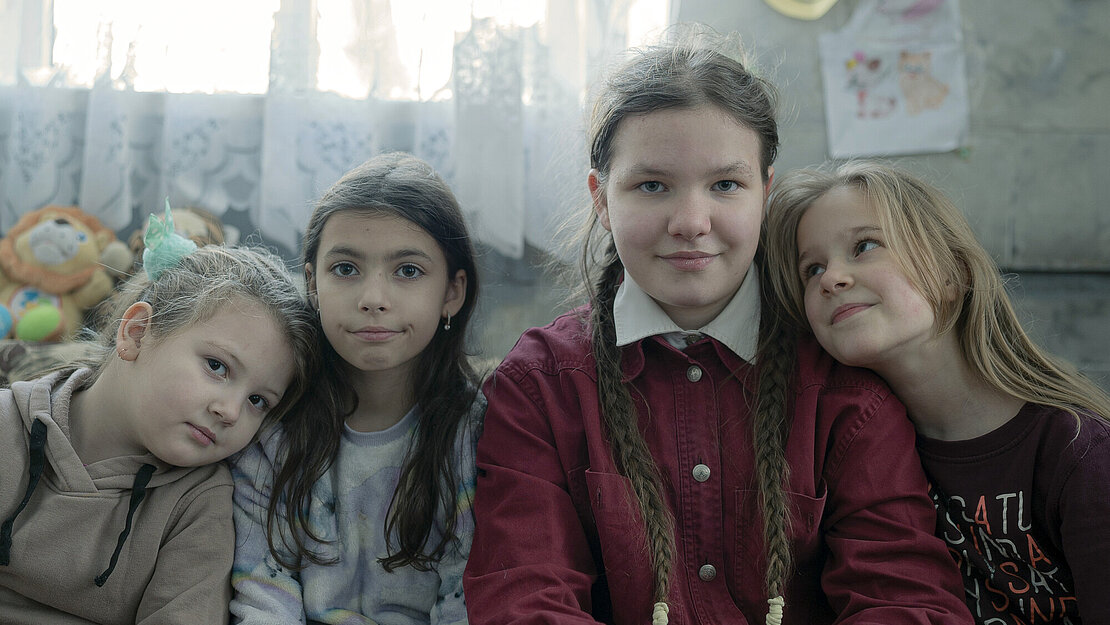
{"x": 501, "y": 120}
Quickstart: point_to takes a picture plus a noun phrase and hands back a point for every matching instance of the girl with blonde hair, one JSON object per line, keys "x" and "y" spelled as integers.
{"x": 888, "y": 274}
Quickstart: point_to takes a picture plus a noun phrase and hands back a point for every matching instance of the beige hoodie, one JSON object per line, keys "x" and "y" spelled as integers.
{"x": 174, "y": 564}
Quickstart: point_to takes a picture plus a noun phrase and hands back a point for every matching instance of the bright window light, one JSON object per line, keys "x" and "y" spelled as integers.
{"x": 204, "y": 46}
{"x": 397, "y": 49}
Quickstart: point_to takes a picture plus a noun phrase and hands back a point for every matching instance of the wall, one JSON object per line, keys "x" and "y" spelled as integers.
{"x": 1034, "y": 178}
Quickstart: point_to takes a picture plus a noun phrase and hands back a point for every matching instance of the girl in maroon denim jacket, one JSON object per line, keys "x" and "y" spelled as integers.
{"x": 635, "y": 464}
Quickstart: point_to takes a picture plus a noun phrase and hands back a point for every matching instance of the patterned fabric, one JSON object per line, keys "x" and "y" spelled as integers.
{"x": 496, "y": 126}
{"x": 22, "y": 360}
{"x": 348, "y": 510}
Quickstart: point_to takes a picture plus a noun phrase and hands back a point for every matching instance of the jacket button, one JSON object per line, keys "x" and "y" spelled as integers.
{"x": 701, "y": 472}
{"x": 707, "y": 572}
{"x": 693, "y": 373}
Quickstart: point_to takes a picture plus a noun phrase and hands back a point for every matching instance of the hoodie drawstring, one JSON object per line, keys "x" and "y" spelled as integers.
{"x": 37, "y": 451}
{"x": 138, "y": 492}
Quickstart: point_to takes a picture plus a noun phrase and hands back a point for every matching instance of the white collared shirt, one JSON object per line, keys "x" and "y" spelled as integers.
{"x": 637, "y": 316}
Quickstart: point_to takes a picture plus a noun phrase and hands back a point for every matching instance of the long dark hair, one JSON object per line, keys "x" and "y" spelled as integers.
{"x": 404, "y": 186}
{"x": 693, "y": 71}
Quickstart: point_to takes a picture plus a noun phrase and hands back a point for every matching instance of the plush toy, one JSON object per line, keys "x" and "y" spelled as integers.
{"x": 55, "y": 264}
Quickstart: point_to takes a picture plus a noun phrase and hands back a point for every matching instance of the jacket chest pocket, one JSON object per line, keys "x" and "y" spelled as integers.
{"x": 806, "y": 541}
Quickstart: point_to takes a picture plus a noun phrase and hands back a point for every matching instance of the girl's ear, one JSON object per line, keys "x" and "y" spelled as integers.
{"x": 456, "y": 294}
{"x": 133, "y": 328}
{"x": 310, "y": 285}
{"x": 952, "y": 292}
{"x": 601, "y": 205}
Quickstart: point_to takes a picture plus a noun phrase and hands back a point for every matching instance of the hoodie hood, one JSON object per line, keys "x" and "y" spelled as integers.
{"x": 44, "y": 405}
{"x": 48, "y": 400}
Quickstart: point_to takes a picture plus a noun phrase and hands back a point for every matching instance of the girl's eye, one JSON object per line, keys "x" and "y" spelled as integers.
{"x": 344, "y": 269}
{"x": 409, "y": 272}
{"x": 811, "y": 271}
{"x": 215, "y": 366}
{"x": 259, "y": 402}
{"x": 651, "y": 186}
{"x": 727, "y": 186}
{"x": 866, "y": 245}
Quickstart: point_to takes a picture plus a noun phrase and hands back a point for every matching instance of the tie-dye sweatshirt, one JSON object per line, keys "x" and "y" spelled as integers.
{"x": 348, "y": 508}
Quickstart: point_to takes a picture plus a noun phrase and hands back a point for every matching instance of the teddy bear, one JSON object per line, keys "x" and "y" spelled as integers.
{"x": 56, "y": 263}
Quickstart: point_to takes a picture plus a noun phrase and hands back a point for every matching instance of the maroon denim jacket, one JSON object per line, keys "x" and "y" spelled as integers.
{"x": 559, "y": 539}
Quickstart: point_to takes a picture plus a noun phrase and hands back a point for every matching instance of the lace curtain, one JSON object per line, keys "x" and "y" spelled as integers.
{"x": 493, "y": 102}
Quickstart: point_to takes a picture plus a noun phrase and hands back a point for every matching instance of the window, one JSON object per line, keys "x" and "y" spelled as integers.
{"x": 392, "y": 49}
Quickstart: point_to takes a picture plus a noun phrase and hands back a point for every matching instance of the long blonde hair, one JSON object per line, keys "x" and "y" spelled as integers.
{"x": 934, "y": 245}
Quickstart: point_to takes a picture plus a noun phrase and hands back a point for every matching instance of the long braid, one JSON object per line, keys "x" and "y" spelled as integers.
{"x": 630, "y": 451}
{"x": 771, "y": 426}
{"x": 693, "y": 70}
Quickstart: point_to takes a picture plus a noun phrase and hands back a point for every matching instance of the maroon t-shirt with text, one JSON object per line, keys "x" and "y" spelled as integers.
{"x": 1024, "y": 511}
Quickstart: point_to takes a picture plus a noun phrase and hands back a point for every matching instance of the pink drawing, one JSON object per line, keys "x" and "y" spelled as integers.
{"x": 864, "y": 75}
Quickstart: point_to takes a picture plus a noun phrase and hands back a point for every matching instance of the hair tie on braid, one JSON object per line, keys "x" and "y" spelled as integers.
{"x": 659, "y": 614}
{"x": 774, "y": 616}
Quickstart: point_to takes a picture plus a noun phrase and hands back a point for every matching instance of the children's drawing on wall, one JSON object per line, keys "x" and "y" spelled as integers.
{"x": 894, "y": 79}
{"x": 867, "y": 76}
{"x": 921, "y": 89}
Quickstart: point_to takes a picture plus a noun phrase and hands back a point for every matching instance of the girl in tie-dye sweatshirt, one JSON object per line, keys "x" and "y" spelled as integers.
{"x": 360, "y": 510}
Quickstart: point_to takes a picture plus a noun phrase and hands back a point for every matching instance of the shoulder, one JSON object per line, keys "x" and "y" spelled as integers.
{"x": 470, "y": 425}
{"x": 1082, "y": 438}
{"x": 206, "y": 477}
{"x": 8, "y": 407}
{"x": 851, "y": 408}
{"x": 820, "y": 374}
{"x": 560, "y": 345}
{"x": 202, "y": 490}
{"x": 261, "y": 456}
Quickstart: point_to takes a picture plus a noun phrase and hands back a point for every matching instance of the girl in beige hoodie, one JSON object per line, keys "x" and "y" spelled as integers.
{"x": 116, "y": 506}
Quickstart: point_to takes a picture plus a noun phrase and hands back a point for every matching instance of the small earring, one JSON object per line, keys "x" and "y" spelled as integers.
{"x": 120, "y": 352}
{"x": 447, "y": 324}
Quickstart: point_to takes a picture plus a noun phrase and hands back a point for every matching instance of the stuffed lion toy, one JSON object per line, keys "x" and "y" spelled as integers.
{"x": 55, "y": 264}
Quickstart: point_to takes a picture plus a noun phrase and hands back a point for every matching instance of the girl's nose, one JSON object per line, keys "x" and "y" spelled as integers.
{"x": 226, "y": 410}
{"x": 373, "y": 297}
{"x": 691, "y": 218}
{"x": 835, "y": 279}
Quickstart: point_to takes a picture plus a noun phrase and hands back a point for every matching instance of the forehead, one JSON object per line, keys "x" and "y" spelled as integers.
{"x": 374, "y": 233}
{"x": 685, "y": 139}
{"x": 838, "y": 213}
{"x": 840, "y": 206}
{"x": 252, "y": 333}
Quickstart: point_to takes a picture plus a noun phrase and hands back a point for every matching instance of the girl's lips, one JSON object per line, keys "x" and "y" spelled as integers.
{"x": 202, "y": 435}
{"x": 689, "y": 261}
{"x": 375, "y": 335}
{"x": 847, "y": 310}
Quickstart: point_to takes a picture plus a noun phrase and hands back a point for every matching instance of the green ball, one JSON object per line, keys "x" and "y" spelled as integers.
{"x": 39, "y": 323}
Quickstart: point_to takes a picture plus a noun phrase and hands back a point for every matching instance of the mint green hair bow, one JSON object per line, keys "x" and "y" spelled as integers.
{"x": 164, "y": 246}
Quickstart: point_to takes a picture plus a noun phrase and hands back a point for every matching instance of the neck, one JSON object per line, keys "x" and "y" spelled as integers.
{"x": 384, "y": 398}
{"x": 98, "y": 429}
{"x": 944, "y": 397}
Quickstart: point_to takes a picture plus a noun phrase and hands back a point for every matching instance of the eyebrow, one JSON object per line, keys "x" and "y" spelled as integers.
{"x": 343, "y": 250}
{"x": 852, "y": 234}
{"x": 392, "y": 256}
{"x": 737, "y": 168}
